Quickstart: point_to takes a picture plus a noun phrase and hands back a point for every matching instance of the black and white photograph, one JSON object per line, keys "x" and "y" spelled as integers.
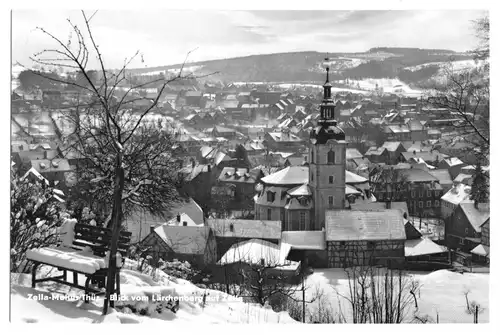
{"x": 268, "y": 165}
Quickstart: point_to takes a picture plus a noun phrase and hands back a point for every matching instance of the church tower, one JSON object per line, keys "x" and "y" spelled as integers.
{"x": 327, "y": 148}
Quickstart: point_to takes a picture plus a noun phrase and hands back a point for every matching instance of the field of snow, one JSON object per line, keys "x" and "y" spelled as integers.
{"x": 137, "y": 291}
{"x": 442, "y": 292}
{"x": 457, "y": 65}
{"x": 389, "y": 85}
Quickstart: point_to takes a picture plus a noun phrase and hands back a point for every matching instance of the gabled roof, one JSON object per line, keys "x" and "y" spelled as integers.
{"x": 452, "y": 161}
{"x": 375, "y": 151}
{"x": 442, "y": 175}
{"x": 345, "y": 225}
{"x": 183, "y": 218}
{"x": 352, "y": 178}
{"x": 256, "y": 251}
{"x": 476, "y": 216}
{"x": 184, "y": 240}
{"x": 457, "y": 194}
{"x": 422, "y": 246}
{"x": 391, "y": 146}
{"x": 191, "y": 172}
{"x": 351, "y": 153}
{"x": 246, "y": 228}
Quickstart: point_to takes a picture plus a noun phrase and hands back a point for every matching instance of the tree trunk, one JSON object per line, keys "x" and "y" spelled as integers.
{"x": 115, "y": 223}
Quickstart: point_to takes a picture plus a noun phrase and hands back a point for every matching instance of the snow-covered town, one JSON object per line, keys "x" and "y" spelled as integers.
{"x": 266, "y": 187}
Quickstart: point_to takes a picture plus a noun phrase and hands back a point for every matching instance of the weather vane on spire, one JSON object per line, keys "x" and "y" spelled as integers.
{"x": 327, "y": 58}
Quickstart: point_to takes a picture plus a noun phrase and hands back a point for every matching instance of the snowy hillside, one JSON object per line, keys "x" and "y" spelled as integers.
{"x": 442, "y": 292}
{"x": 140, "y": 293}
{"x": 389, "y": 85}
{"x": 457, "y": 65}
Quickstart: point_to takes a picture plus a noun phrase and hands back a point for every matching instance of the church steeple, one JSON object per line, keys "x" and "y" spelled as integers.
{"x": 327, "y": 107}
{"x": 327, "y": 125}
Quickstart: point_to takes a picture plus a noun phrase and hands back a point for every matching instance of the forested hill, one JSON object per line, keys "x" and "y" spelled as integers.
{"x": 381, "y": 62}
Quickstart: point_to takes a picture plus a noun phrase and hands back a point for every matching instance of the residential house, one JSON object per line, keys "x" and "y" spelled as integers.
{"x": 396, "y": 132}
{"x": 444, "y": 178}
{"x": 229, "y": 232}
{"x": 430, "y": 157}
{"x": 194, "y": 98}
{"x": 481, "y": 253}
{"x": 195, "y": 245}
{"x": 463, "y": 227}
{"x": 453, "y": 165}
{"x": 453, "y": 198}
{"x": 53, "y": 170}
{"x": 283, "y": 141}
{"x": 219, "y": 131}
{"x": 359, "y": 238}
{"x": 433, "y": 134}
{"x": 417, "y": 130}
{"x": 394, "y": 149}
{"x": 378, "y": 155}
{"x": 235, "y": 189}
{"x": 351, "y": 153}
{"x": 198, "y": 180}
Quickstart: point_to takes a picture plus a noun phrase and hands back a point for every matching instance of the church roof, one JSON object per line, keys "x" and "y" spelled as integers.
{"x": 288, "y": 176}
{"x": 300, "y": 190}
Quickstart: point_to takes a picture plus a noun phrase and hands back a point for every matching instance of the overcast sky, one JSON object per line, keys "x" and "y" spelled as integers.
{"x": 165, "y": 36}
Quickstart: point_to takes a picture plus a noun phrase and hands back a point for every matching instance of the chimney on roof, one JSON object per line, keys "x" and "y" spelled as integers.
{"x": 414, "y": 152}
{"x": 231, "y": 227}
{"x": 178, "y": 217}
{"x": 45, "y": 154}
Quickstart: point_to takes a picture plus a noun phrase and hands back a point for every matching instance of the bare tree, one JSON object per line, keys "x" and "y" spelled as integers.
{"x": 379, "y": 295}
{"x": 465, "y": 93}
{"x": 115, "y": 120}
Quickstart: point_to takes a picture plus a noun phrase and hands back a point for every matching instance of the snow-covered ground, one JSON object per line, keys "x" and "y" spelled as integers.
{"x": 442, "y": 292}
{"x": 457, "y": 65}
{"x": 389, "y": 85}
{"x": 287, "y": 86}
{"x": 27, "y": 305}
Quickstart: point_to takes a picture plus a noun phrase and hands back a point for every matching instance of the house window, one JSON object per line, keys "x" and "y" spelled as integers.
{"x": 421, "y": 194}
{"x": 429, "y": 204}
{"x": 330, "y": 179}
{"x": 461, "y": 241}
{"x": 413, "y": 194}
{"x": 312, "y": 156}
{"x": 420, "y": 204}
{"x": 436, "y": 203}
{"x": 429, "y": 194}
{"x": 330, "y": 200}
{"x": 302, "y": 222}
{"x": 331, "y": 157}
{"x": 466, "y": 231}
{"x": 436, "y": 193}
{"x": 269, "y": 213}
{"x": 270, "y": 196}
{"x": 312, "y": 176}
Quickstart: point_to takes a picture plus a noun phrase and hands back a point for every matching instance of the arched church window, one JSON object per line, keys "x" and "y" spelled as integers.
{"x": 331, "y": 157}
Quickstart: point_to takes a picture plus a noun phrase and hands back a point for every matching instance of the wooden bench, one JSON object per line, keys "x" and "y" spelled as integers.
{"x": 86, "y": 255}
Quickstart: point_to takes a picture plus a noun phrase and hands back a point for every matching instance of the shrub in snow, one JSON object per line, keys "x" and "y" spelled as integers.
{"x": 35, "y": 218}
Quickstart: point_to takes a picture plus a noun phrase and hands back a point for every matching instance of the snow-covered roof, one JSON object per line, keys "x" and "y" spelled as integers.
{"x": 183, "y": 218}
{"x": 452, "y": 161}
{"x": 288, "y": 176}
{"x": 481, "y": 250}
{"x": 422, "y": 246}
{"x": 300, "y": 190}
{"x": 349, "y": 225}
{"x": 476, "y": 216}
{"x": 304, "y": 240}
{"x": 352, "y": 178}
{"x": 246, "y": 228}
{"x": 256, "y": 251}
{"x": 457, "y": 194}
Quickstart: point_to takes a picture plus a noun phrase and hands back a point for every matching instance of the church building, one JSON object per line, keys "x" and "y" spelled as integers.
{"x": 299, "y": 196}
